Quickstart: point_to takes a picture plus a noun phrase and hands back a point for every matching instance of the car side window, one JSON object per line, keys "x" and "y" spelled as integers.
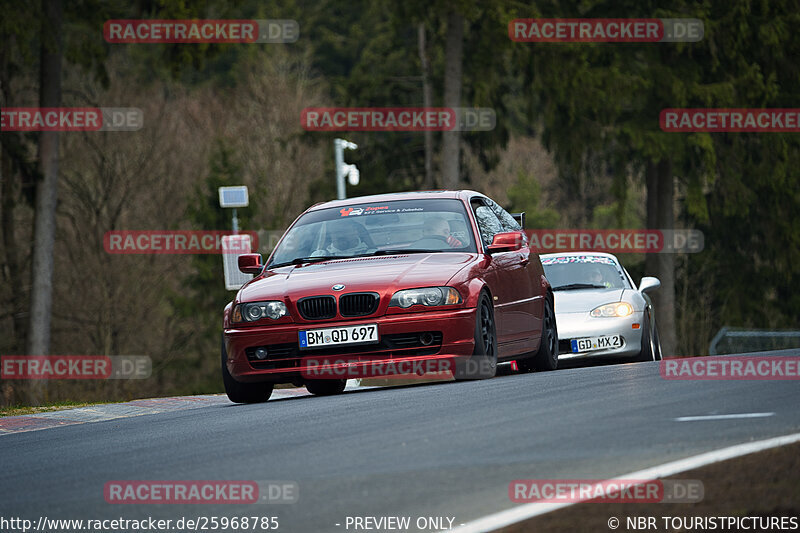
{"x": 488, "y": 224}
{"x": 507, "y": 221}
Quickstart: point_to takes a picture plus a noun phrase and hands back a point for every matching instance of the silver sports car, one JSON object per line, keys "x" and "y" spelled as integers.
{"x": 599, "y": 310}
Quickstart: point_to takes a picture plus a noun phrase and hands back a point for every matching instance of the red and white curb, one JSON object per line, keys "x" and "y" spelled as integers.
{"x": 113, "y": 411}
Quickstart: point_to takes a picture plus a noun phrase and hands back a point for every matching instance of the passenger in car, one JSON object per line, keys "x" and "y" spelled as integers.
{"x": 345, "y": 240}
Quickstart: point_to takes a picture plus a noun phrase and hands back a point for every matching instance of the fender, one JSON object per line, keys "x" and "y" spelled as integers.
{"x": 226, "y": 316}
{"x": 546, "y": 288}
{"x": 475, "y": 286}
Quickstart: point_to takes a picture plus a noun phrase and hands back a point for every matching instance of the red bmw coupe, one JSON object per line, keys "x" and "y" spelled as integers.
{"x": 392, "y": 277}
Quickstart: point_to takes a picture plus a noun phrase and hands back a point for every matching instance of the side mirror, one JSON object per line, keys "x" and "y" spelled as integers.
{"x": 250, "y": 263}
{"x": 520, "y": 218}
{"x": 649, "y": 284}
{"x": 509, "y": 241}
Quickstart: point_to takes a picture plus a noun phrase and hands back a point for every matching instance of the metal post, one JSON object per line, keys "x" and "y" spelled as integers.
{"x": 338, "y": 152}
{"x": 235, "y": 222}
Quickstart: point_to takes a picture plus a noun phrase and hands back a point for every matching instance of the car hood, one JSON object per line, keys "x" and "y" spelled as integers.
{"x": 584, "y": 300}
{"x": 356, "y": 274}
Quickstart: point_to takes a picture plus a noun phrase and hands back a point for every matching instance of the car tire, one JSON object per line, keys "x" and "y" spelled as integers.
{"x": 648, "y": 352}
{"x": 546, "y": 357}
{"x": 657, "y": 343}
{"x": 243, "y": 392}
{"x": 326, "y": 387}
{"x": 483, "y": 362}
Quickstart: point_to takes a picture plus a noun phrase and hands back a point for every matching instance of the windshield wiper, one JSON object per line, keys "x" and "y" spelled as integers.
{"x": 301, "y": 260}
{"x": 398, "y": 251}
{"x": 573, "y": 286}
{"x": 319, "y": 258}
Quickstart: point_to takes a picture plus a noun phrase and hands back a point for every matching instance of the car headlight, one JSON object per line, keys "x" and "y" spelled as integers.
{"x": 250, "y": 312}
{"x": 429, "y": 296}
{"x": 616, "y": 309}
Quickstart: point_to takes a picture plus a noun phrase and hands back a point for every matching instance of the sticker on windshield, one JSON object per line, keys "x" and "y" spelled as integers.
{"x": 377, "y": 210}
{"x": 578, "y": 259}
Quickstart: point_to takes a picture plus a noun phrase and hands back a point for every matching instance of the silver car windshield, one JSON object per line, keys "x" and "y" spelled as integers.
{"x": 583, "y": 272}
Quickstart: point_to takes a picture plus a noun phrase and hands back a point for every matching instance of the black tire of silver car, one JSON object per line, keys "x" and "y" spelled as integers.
{"x": 657, "y": 343}
{"x": 647, "y": 353}
{"x": 546, "y": 358}
{"x": 326, "y": 387}
{"x": 483, "y": 362}
{"x": 243, "y": 392}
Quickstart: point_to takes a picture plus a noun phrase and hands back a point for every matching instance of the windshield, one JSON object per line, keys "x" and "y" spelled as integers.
{"x": 403, "y": 226}
{"x": 583, "y": 272}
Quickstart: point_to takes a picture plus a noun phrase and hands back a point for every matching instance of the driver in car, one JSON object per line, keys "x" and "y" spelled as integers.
{"x": 344, "y": 240}
{"x": 597, "y": 278}
{"x": 439, "y": 227}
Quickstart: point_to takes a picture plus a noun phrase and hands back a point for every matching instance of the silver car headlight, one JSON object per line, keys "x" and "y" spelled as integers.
{"x": 616, "y": 309}
{"x": 428, "y": 296}
{"x": 253, "y": 311}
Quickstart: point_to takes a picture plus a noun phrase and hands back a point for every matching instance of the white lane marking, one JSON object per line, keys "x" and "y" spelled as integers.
{"x": 529, "y": 510}
{"x": 723, "y": 417}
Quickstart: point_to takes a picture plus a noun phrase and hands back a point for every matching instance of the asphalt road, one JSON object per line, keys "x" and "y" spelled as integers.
{"x": 438, "y": 450}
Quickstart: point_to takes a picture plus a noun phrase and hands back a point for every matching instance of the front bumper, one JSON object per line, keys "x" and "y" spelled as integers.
{"x": 453, "y": 334}
{"x": 581, "y": 325}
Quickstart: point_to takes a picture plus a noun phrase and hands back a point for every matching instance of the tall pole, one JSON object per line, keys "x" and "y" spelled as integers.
{"x": 338, "y": 151}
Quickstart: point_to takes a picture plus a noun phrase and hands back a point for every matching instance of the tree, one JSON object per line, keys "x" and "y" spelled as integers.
{"x": 46, "y": 189}
{"x": 600, "y": 108}
{"x": 454, "y": 56}
{"x": 17, "y": 172}
{"x": 427, "y": 101}
{"x": 605, "y": 99}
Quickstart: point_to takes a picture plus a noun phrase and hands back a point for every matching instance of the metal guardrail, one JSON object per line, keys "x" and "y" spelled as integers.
{"x": 734, "y": 340}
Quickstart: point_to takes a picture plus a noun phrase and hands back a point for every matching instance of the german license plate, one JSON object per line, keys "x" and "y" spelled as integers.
{"x": 589, "y": 344}
{"x": 319, "y": 338}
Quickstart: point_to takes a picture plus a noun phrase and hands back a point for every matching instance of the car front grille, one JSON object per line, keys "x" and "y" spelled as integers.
{"x": 358, "y": 304}
{"x": 317, "y": 307}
